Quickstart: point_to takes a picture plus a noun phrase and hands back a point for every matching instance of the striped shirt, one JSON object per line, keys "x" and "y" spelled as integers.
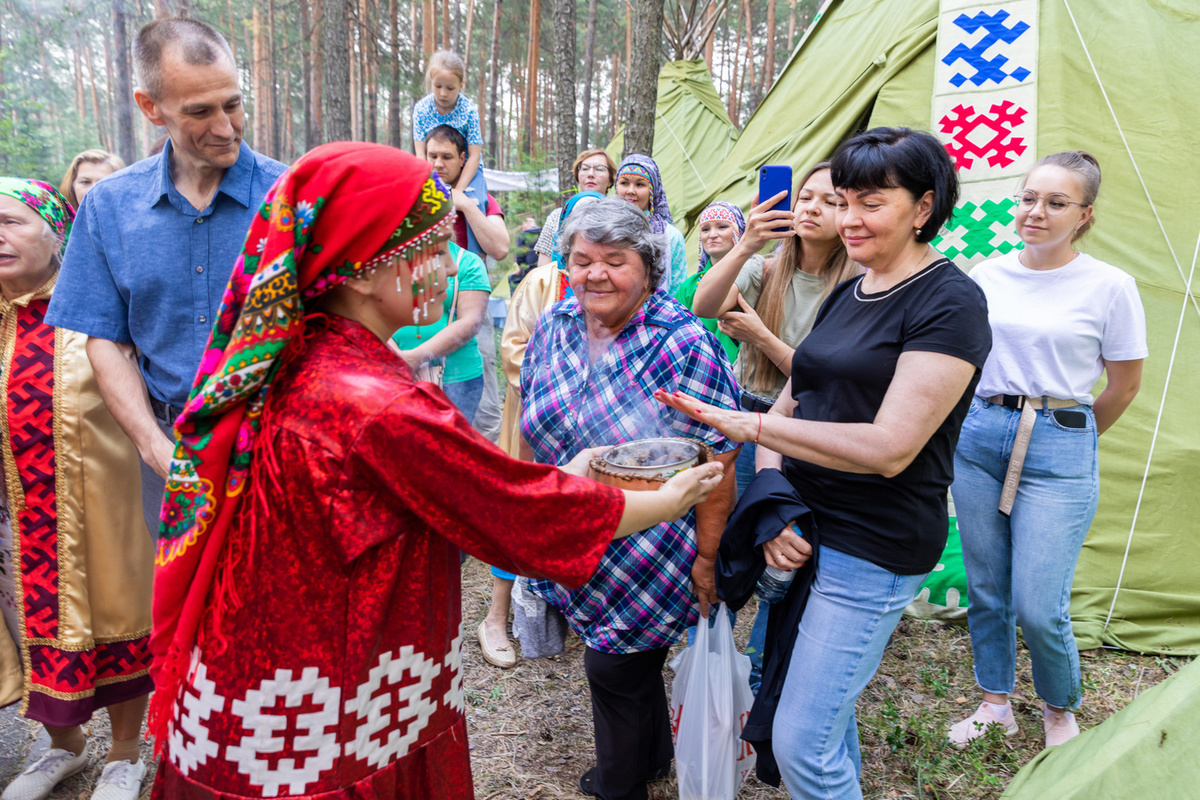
{"x": 641, "y": 596}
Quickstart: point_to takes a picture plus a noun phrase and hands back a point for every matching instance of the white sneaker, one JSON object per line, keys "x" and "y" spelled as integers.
{"x": 1059, "y": 727}
{"x": 977, "y": 724}
{"x": 120, "y": 781}
{"x": 40, "y": 777}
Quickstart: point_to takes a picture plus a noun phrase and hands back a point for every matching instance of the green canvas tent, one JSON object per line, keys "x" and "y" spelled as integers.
{"x": 1145, "y": 750}
{"x": 692, "y": 132}
{"x": 1117, "y": 79}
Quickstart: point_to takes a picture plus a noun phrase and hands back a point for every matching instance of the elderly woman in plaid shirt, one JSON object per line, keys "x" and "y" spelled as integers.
{"x": 591, "y": 368}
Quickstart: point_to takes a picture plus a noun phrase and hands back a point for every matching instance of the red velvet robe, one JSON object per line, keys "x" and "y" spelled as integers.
{"x": 341, "y": 675}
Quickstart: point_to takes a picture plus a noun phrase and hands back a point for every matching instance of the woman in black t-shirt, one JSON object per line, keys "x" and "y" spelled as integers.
{"x": 865, "y": 431}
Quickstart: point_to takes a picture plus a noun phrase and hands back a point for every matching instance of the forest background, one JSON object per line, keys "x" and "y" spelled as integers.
{"x": 550, "y": 77}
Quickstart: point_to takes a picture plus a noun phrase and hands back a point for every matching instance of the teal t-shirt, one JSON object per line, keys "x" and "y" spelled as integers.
{"x": 464, "y": 363}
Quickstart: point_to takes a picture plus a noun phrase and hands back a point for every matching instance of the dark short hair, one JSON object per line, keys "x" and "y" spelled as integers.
{"x": 892, "y": 158}
{"x": 198, "y": 43}
{"x": 445, "y": 133}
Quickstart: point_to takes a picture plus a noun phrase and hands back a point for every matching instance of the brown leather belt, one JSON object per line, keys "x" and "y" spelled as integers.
{"x": 1028, "y": 406}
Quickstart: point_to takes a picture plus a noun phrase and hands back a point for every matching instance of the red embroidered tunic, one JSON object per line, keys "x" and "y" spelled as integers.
{"x": 341, "y": 677}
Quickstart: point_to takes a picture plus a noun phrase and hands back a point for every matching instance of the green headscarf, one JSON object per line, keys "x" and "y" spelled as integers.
{"x": 45, "y": 200}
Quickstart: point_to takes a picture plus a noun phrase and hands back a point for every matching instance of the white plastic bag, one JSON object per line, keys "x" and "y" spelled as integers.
{"x": 710, "y": 701}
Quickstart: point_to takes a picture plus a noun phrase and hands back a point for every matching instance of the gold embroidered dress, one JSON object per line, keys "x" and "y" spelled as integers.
{"x": 80, "y": 560}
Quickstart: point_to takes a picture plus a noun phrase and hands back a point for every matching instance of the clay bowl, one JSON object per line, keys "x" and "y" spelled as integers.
{"x": 646, "y": 464}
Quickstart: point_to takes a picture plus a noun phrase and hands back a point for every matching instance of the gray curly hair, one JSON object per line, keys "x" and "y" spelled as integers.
{"x": 616, "y": 223}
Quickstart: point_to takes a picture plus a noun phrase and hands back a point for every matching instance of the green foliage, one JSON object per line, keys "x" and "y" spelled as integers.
{"x": 25, "y": 150}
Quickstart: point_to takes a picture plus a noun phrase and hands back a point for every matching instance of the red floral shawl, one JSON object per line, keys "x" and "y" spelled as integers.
{"x": 341, "y": 208}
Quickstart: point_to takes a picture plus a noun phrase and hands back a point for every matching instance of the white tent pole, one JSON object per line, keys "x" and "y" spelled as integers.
{"x": 1153, "y": 439}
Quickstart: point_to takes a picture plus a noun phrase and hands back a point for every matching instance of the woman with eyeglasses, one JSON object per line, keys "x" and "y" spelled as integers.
{"x": 594, "y": 172}
{"x": 1059, "y": 319}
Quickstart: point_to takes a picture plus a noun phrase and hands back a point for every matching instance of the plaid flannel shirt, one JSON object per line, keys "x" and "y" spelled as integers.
{"x": 641, "y": 595}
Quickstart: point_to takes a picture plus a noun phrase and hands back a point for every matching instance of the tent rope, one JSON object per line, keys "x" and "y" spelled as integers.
{"x": 1187, "y": 279}
{"x": 683, "y": 150}
{"x": 1137, "y": 171}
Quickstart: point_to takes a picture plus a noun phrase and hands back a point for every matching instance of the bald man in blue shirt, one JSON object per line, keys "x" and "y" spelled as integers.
{"x": 154, "y": 245}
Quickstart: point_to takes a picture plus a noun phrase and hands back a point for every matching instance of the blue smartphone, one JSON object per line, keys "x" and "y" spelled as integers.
{"x": 773, "y": 179}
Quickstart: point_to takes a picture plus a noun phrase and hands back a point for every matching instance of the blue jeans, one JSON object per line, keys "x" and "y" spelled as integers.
{"x": 465, "y": 395}
{"x": 744, "y": 466}
{"x": 852, "y": 610}
{"x": 1020, "y": 568}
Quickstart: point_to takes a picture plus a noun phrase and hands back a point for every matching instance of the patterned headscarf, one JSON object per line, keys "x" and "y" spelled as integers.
{"x": 343, "y": 209}
{"x": 579, "y": 197}
{"x": 45, "y": 200}
{"x": 720, "y": 210}
{"x": 645, "y": 167}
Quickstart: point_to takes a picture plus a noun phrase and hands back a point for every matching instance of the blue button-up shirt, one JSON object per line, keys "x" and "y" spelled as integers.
{"x": 143, "y": 265}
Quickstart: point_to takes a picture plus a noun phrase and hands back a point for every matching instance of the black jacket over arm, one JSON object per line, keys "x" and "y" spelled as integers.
{"x": 766, "y": 507}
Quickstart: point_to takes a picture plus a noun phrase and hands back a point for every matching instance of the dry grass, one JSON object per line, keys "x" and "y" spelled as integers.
{"x": 531, "y": 727}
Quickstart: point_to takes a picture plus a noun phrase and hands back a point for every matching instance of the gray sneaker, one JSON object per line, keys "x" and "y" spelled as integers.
{"x": 40, "y": 777}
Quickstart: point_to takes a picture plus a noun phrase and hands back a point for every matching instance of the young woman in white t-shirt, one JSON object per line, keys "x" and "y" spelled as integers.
{"x": 1059, "y": 319}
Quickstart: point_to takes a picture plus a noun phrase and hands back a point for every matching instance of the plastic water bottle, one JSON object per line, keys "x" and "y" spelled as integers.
{"x": 773, "y": 584}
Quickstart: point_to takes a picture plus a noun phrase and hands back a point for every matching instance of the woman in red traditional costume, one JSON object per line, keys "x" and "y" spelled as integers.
{"x": 307, "y": 622}
{"x": 76, "y": 562}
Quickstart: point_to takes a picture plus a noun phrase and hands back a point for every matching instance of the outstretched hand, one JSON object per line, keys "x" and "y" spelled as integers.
{"x": 740, "y": 426}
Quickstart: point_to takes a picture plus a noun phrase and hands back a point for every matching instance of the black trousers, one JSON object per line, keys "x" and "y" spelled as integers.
{"x": 632, "y": 720}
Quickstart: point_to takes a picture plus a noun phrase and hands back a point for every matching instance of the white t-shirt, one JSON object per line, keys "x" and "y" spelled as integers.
{"x": 1052, "y": 328}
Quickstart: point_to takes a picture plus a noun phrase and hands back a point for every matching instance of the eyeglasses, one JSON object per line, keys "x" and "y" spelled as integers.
{"x": 599, "y": 169}
{"x": 1054, "y": 204}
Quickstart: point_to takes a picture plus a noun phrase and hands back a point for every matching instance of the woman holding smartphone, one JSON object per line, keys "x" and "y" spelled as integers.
{"x": 1059, "y": 319}
{"x": 771, "y": 309}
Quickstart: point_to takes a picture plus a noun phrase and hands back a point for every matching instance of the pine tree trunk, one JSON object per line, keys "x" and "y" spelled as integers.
{"x": 305, "y": 77}
{"x": 371, "y": 53}
{"x": 768, "y": 76}
{"x": 336, "y": 100}
{"x": 273, "y": 85}
{"x": 493, "y": 128}
{"x": 355, "y": 94}
{"x": 564, "y": 88}
{"x": 111, "y": 84}
{"x": 589, "y": 55}
{"x": 428, "y": 29}
{"x": 531, "y": 84}
{"x": 614, "y": 96}
{"x": 316, "y": 134}
{"x": 733, "y": 81}
{"x": 97, "y": 113}
{"x": 791, "y": 27}
{"x": 708, "y": 43}
{"x": 232, "y": 23}
{"x": 394, "y": 89}
{"x": 445, "y": 24}
{"x": 643, "y": 78}
{"x": 628, "y": 45}
{"x": 80, "y": 97}
{"x": 124, "y": 89}
{"x": 467, "y": 37}
{"x": 259, "y": 113}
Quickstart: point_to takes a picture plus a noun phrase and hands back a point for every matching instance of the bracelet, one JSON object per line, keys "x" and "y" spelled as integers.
{"x": 759, "y": 432}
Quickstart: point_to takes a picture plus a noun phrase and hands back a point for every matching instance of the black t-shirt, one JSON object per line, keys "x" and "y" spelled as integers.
{"x": 840, "y": 373}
